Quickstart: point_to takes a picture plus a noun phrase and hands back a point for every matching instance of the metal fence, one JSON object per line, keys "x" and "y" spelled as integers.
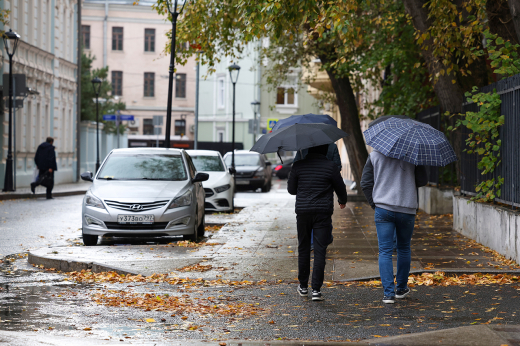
{"x": 509, "y": 169}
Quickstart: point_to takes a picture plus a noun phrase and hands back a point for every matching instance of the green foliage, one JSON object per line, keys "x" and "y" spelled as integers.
{"x": 485, "y": 124}
{"x": 88, "y": 96}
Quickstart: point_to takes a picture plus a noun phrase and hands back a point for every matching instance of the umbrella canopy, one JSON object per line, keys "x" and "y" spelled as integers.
{"x": 305, "y": 119}
{"x": 410, "y": 141}
{"x": 386, "y": 117}
{"x": 297, "y": 137}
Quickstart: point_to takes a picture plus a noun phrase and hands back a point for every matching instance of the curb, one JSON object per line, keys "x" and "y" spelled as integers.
{"x": 5, "y": 197}
{"x": 74, "y": 266}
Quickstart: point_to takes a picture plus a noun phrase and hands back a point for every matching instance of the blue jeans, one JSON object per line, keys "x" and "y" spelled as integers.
{"x": 388, "y": 222}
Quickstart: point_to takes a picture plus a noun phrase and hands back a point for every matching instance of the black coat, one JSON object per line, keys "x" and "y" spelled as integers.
{"x": 45, "y": 157}
{"x": 313, "y": 180}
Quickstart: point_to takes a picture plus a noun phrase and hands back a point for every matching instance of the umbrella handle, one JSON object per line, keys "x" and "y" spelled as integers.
{"x": 278, "y": 152}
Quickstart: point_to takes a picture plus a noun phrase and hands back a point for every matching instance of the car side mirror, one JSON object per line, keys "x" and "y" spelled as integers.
{"x": 200, "y": 177}
{"x": 232, "y": 170}
{"x": 268, "y": 163}
{"x": 87, "y": 176}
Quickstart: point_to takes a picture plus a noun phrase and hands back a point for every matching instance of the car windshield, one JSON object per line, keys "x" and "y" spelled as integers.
{"x": 143, "y": 167}
{"x": 244, "y": 160}
{"x": 208, "y": 163}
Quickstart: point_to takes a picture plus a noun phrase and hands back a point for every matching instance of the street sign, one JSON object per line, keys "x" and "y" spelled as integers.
{"x": 20, "y": 88}
{"x": 270, "y": 123}
{"x": 157, "y": 120}
{"x": 157, "y": 130}
{"x": 126, "y": 117}
{"x": 109, "y": 117}
{"x": 251, "y": 124}
{"x": 122, "y": 117}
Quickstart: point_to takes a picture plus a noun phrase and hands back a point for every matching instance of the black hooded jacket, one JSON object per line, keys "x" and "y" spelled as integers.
{"x": 313, "y": 180}
{"x": 45, "y": 157}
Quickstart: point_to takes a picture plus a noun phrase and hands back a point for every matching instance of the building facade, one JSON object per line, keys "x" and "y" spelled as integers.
{"x": 130, "y": 39}
{"x": 216, "y": 106}
{"x": 47, "y": 55}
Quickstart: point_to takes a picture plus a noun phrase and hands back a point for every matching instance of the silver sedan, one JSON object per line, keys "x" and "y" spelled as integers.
{"x": 144, "y": 192}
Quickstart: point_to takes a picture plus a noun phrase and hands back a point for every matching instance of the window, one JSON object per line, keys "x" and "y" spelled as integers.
{"x": 149, "y": 40}
{"x": 180, "y": 127}
{"x": 221, "y": 88}
{"x": 180, "y": 85}
{"x": 207, "y": 163}
{"x": 149, "y": 84}
{"x": 117, "y": 38}
{"x": 285, "y": 96}
{"x": 117, "y": 83}
{"x": 85, "y": 32}
{"x": 148, "y": 127}
{"x": 183, "y": 46}
{"x": 220, "y": 136}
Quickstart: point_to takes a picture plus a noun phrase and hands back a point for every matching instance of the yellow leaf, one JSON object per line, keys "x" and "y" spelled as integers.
{"x": 150, "y": 320}
{"x": 290, "y": 251}
{"x": 87, "y": 329}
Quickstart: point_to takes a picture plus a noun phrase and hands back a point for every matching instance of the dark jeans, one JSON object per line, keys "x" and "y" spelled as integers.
{"x": 49, "y": 188}
{"x": 306, "y": 224}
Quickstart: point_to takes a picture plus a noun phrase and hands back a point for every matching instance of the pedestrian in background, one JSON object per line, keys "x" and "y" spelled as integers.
{"x": 332, "y": 155}
{"x": 313, "y": 180}
{"x": 390, "y": 186}
{"x": 45, "y": 160}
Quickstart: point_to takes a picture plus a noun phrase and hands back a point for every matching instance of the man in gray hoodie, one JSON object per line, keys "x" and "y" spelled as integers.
{"x": 390, "y": 186}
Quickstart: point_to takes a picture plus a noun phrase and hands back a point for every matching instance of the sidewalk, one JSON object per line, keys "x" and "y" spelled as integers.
{"x": 78, "y": 188}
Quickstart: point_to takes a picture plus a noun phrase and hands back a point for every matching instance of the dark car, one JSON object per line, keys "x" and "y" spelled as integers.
{"x": 253, "y": 170}
{"x": 282, "y": 171}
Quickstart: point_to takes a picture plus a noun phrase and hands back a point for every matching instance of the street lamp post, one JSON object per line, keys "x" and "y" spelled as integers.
{"x": 234, "y": 70}
{"x": 96, "y": 85}
{"x": 256, "y": 108}
{"x": 11, "y": 39}
{"x": 172, "y": 9}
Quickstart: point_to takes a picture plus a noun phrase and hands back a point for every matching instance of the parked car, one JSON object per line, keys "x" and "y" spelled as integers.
{"x": 220, "y": 187}
{"x": 144, "y": 192}
{"x": 253, "y": 170}
{"x": 282, "y": 170}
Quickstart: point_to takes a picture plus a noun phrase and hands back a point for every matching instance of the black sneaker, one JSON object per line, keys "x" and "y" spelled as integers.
{"x": 389, "y": 299}
{"x": 33, "y": 187}
{"x": 303, "y": 291}
{"x": 316, "y": 295}
{"x": 401, "y": 293}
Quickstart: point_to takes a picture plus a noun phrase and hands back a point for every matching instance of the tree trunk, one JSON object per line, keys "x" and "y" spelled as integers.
{"x": 354, "y": 142}
{"x": 500, "y": 20}
{"x": 450, "y": 95}
{"x": 514, "y": 7}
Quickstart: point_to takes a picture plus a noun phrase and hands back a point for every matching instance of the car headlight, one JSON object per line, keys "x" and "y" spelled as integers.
{"x": 181, "y": 201}
{"x": 222, "y": 188}
{"x": 259, "y": 173}
{"x": 93, "y": 201}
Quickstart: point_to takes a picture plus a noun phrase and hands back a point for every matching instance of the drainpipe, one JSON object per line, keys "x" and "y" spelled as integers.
{"x": 78, "y": 99}
{"x": 105, "y": 37}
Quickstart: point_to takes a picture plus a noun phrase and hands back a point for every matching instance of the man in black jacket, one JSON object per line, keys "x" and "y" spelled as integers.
{"x": 313, "y": 180}
{"x": 45, "y": 160}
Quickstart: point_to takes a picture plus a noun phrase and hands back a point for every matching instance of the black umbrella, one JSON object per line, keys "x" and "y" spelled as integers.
{"x": 386, "y": 117}
{"x": 298, "y": 137}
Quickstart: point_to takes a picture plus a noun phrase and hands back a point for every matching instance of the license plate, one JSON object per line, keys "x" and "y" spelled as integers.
{"x": 242, "y": 182}
{"x": 135, "y": 219}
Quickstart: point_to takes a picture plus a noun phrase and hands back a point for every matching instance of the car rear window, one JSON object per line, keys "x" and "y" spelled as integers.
{"x": 244, "y": 160}
{"x": 205, "y": 163}
{"x": 143, "y": 167}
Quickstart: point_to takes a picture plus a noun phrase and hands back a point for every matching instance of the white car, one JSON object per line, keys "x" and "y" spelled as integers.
{"x": 220, "y": 186}
{"x": 144, "y": 192}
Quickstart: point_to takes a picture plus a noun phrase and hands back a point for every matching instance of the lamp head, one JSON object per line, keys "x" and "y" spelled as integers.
{"x": 234, "y": 70}
{"x": 96, "y": 85}
{"x": 11, "y": 39}
{"x": 256, "y": 106}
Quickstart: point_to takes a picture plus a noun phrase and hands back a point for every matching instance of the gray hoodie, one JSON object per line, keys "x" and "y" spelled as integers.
{"x": 392, "y": 184}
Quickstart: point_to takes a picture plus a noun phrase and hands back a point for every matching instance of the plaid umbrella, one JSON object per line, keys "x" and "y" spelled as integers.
{"x": 410, "y": 141}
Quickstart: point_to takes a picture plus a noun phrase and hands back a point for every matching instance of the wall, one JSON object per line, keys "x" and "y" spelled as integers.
{"x": 436, "y": 201}
{"x": 495, "y": 227}
{"x": 88, "y": 145}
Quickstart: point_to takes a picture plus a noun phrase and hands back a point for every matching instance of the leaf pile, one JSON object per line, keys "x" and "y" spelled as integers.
{"x": 178, "y": 305}
{"x": 196, "y": 268}
{"x": 187, "y": 243}
{"x": 213, "y": 228}
{"x": 87, "y": 276}
{"x": 496, "y": 256}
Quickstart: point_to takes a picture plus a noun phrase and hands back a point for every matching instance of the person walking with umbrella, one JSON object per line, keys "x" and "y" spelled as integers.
{"x": 391, "y": 176}
{"x": 313, "y": 181}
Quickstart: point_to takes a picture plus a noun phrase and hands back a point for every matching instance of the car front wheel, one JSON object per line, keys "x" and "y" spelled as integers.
{"x": 201, "y": 230}
{"x": 89, "y": 239}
